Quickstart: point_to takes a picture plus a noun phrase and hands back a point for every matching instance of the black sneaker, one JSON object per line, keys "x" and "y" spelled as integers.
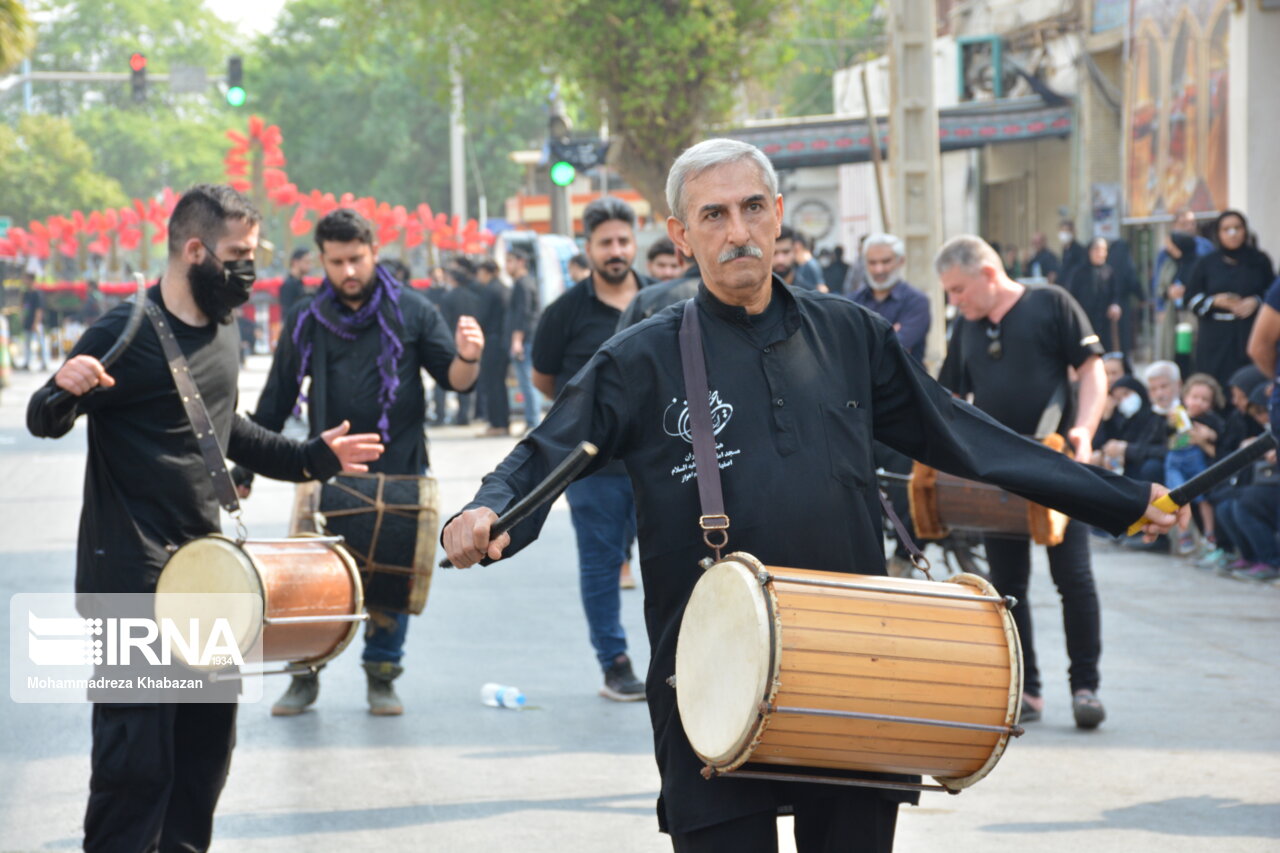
{"x": 620, "y": 683}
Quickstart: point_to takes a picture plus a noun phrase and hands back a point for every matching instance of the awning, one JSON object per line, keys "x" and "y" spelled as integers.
{"x": 973, "y": 125}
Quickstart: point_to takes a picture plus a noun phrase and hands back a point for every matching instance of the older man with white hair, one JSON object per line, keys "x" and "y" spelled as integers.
{"x": 889, "y": 295}
{"x": 800, "y": 383}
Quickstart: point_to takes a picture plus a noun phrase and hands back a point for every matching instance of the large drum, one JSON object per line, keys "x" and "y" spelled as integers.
{"x": 941, "y": 503}
{"x": 389, "y": 524}
{"x": 312, "y": 598}
{"x": 847, "y": 672}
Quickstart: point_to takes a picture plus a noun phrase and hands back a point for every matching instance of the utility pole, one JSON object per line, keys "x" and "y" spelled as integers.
{"x": 914, "y": 158}
{"x": 558, "y": 130}
{"x": 457, "y": 144}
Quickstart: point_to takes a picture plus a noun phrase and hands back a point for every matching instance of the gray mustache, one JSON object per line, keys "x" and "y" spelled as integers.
{"x": 747, "y": 251}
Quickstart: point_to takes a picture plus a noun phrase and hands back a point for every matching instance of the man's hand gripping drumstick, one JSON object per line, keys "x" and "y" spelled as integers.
{"x": 479, "y": 533}
{"x": 1157, "y": 519}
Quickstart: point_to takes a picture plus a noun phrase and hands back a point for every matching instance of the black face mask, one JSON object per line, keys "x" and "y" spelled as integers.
{"x": 219, "y": 286}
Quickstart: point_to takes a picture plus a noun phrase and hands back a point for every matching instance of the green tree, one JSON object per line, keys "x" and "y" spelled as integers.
{"x": 45, "y": 169}
{"x": 666, "y": 70}
{"x": 361, "y": 114}
{"x": 828, "y": 35}
{"x": 171, "y": 140}
{"x": 17, "y": 35}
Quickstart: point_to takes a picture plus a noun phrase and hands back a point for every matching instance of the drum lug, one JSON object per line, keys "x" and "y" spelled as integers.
{"x": 764, "y": 577}
{"x": 706, "y": 563}
{"x": 1010, "y": 602}
{"x": 671, "y": 682}
{"x": 707, "y": 771}
{"x": 1017, "y": 731}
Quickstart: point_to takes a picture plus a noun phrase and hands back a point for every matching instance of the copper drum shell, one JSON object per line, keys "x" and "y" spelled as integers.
{"x": 310, "y": 577}
{"x": 941, "y": 503}
{"x": 750, "y": 650}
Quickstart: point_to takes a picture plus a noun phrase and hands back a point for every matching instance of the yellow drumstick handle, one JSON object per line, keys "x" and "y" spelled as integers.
{"x": 1164, "y": 502}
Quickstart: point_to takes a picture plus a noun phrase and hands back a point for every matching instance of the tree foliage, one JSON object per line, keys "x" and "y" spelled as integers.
{"x": 361, "y": 113}
{"x": 170, "y": 140}
{"x": 665, "y": 70}
{"x": 45, "y": 169}
{"x": 17, "y": 34}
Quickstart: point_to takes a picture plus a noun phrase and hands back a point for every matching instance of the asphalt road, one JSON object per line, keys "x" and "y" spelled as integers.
{"x": 1187, "y": 760}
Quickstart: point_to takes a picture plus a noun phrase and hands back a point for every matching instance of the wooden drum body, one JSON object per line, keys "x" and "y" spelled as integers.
{"x": 827, "y": 670}
{"x": 312, "y": 598}
{"x": 941, "y": 503}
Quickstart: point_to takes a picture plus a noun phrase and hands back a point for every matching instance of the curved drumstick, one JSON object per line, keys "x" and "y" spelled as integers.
{"x": 548, "y": 490}
{"x": 122, "y": 343}
{"x": 1208, "y": 478}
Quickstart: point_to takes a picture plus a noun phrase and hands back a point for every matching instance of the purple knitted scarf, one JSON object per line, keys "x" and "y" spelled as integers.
{"x": 325, "y": 309}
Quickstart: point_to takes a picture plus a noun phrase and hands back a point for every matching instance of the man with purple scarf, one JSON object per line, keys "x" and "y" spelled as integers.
{"x": 364, "y": 341}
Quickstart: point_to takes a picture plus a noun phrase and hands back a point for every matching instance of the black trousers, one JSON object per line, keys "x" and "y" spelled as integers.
{"x": 493, "y": 386}
{"x": 1069, "y": 564}
{"x": 157, "y": 772}
{"x": 838, "y": 824}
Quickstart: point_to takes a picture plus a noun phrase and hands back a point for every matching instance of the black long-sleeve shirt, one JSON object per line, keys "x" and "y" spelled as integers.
{"x": 146, "y": 488}
{"x": 522, "y": 311}
{"x": 346, "y": 379}
{"x": 797, "y": 405}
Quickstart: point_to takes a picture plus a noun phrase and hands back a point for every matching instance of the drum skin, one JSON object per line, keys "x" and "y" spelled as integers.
{"x": 295, "y": 577}
{"x": 744, "y": 655}
{"x": 941, "y": 503}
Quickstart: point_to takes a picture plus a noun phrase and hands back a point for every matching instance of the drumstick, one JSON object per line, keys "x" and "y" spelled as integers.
{"x": 1203, "y": 482}
{"x": 548, "y": 490}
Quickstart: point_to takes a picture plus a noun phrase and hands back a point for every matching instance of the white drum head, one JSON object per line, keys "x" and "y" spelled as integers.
{"x": 723, "y": 662}
{"x": 212, "y": 564}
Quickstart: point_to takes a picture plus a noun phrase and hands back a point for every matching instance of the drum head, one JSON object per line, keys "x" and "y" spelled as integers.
{"x": 724, "y": 662}
{"x": 213, "y": 564}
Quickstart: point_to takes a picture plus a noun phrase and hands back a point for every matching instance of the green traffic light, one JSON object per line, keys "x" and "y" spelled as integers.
{"x": 236, "y": 96}
{"x": 562, "y": 173}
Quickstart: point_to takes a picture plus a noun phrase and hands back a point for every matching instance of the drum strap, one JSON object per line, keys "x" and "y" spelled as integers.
{"x": 917, "y": 556}
{"x": 197, "y": 414}
{"x": 698, "y": 394}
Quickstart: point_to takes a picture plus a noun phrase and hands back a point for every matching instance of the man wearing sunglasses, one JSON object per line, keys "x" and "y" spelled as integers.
{"x": 1013, "y": 351}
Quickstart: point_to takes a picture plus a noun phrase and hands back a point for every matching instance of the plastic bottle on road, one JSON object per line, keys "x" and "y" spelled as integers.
{"x": 502, "y": 696}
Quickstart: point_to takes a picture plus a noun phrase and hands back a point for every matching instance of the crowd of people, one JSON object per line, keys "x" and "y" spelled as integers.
{"x": 352, "y": 355}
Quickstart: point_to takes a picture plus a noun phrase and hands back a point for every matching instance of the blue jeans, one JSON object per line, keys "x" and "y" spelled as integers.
{"x": 1182, "y": 464}
{"x": 1248, "y": 515}
{"x": 524, "y": 381}
{"x": 36, "y": 339}
{"x": 603, "y": 511}
{"x": 384, "y": 636}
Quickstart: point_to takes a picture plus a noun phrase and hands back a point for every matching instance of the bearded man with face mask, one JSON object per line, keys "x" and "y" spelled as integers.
{"x": 158, "y": 768}
{"x": 887, "y": 294}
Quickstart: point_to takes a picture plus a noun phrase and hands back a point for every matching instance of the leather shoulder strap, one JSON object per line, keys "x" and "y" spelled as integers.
{"x": 197, "y": 412}
{"x": 698, "y": 393}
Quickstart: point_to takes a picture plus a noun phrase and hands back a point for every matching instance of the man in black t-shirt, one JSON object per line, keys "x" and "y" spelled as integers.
{"x": 1012, "y": 350}
{"x": 158, "y": 769}
{"x": 492, "y": 386}
{"x": 363, "y": 342}
{"x": 293, "y": 288}
{"x": 601, "y": 506}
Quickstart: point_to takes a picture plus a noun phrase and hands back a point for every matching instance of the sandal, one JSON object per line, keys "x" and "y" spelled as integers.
{"x": 1029, "y": 713}
{"x": 1087, "y": 709}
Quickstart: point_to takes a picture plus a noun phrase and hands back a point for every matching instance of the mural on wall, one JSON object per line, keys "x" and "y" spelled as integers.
{"x": 1176, "y": 113}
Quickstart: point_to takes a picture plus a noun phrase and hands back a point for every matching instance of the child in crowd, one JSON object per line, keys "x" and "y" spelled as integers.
{"x": 1194, "y": 427}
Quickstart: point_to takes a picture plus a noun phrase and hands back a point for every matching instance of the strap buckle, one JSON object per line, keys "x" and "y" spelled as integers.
{"x": 242, "y": 532}
{"x": 713, "y": 522}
